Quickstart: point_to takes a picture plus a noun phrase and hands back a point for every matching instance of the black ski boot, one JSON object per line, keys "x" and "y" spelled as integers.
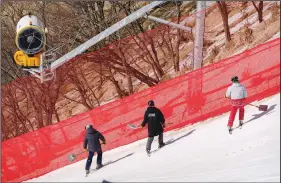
{"x": 230, "y": 130}
{"x": 240, "y": 124}
{"x": 161, "y": 145}
{"x": 87, "y": 172}
{"x": 148, "y": 152}
{"x": 99, "y": 166}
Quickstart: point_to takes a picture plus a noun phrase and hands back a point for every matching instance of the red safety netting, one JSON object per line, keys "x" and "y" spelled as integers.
{"x": 188, "y": 99}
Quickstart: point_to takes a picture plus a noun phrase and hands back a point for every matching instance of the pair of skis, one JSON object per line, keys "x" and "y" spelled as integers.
{"x": 96, "y": 169}
{"x": 154, "y": 151}
{"x": 132, "y": 126}
{"x": 231, "y": 129}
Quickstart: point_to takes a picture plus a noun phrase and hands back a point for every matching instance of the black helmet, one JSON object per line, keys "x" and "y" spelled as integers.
{"x": 150, "y": 103}
{"x": 235, "y": 79}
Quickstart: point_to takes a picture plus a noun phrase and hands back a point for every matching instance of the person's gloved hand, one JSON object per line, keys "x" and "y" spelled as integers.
{"x": 85, "y": 150}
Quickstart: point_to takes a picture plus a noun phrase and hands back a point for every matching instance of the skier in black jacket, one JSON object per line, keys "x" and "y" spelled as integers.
{"x": 92, "y": 140}
{"x": 156, "y": 124}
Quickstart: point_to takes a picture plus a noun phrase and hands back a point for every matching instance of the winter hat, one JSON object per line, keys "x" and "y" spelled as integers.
{"x": 88, "y": 126}
{"x": 150, "y": 103}
{"x": 234, "y": 79}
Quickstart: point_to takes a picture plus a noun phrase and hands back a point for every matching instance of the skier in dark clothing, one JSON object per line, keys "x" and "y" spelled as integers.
{"x": 92, "y": 140}
{"x": 156, "y": 124}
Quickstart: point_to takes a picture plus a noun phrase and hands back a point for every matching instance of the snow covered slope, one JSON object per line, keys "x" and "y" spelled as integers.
{"x": 202, "y": 152}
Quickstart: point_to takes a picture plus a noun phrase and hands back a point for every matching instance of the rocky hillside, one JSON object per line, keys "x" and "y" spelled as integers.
{"x": 246, "y": 32}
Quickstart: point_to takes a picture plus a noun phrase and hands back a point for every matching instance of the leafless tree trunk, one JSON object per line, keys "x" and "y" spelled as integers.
{"x": 80, "y": 86}
{"x": 151, "y": 56}
{"x": 126, "y": 6}
{"x": 224, "y": 14}
{"x": 177, "y": 59}
{"x": 86, "y": 88}
{"x": 121, "y": 93}
{"x": 259, "y": 10}
{"x": 128, "y": 74}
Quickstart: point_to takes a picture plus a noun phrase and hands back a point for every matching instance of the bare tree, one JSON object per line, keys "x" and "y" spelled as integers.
{"x": 126, "y": 69}
{"x": 177, "y": 59}
{"x": 50, "y": 95}
{"x": 109, "y": 58}
{"x": 224, "y": 14}
{"x": 118, "y": 85}
{"x": 29, "y": 105}
{"x": 259, "y": 10}
{"x": 107, "y": 73}
{"x": 146, "y": 45}
{"x": 10, "y": 14}
{"x": 15, "y": 106}
{"x": 87, "y": 87}
{"x": 128, "y": 8}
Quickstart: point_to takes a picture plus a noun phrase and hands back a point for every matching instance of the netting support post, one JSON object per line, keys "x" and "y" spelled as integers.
{"x": 41, "y": 69}
{"x": 199, "y": 35}
{"x": 156, "y": 19}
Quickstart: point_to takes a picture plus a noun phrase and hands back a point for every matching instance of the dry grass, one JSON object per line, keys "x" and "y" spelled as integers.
{"x": 190, "y": 24}
{"x": 166, "y": 77}
{"x": 230, "y": 45}
{"x": 275, "y": 9}
{"x": 215, "y": 51}
{"x": 185, "y": 69}
{"x": 248, "y": 34}
{"x": 212, "y": 56}
{"x": 207, "y": 43}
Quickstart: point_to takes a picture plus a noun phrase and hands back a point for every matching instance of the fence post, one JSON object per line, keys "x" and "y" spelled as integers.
{"x": 199, "y": 35}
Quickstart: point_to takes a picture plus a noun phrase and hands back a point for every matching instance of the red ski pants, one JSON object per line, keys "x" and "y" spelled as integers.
{"x": 236, "y": 104}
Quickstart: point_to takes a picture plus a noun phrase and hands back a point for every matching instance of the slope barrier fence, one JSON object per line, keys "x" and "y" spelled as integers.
{"x": 188, "y": 99}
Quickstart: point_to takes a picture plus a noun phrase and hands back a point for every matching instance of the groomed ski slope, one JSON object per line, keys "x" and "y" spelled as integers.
{"x": 202, "y": 152}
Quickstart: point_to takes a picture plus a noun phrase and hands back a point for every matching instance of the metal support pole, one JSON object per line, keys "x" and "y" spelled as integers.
{"x": 199, "y": 35}
{"x": 41, "y": 69}
{"x": 169, "y": 23}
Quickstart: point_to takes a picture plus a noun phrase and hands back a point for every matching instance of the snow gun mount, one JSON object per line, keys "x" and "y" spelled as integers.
{"x": 43, "y": 71}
